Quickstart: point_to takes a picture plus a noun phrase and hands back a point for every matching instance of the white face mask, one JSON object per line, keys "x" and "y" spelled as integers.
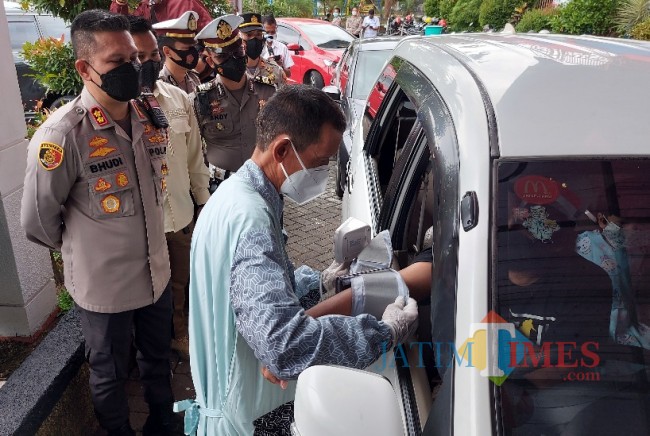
{"x": 354, "y": 12}
{"x": 306, "y": 184}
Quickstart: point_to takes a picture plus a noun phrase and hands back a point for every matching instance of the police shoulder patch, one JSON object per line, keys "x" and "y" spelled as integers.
{"x": 50, "y": 155}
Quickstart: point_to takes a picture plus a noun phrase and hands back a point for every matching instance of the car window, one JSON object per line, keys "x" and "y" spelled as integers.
{"x": 287, "y": 35}
{"x": 378, "y": 92}
{"x": 327, "y": 36}
{"x": 22, "y": 30}
{"x": 369, "y": 64}
{"x": 53, "y": 27}
{"x": 572, "y": 275}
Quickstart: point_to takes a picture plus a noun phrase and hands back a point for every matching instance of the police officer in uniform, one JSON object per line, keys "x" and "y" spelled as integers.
{"x": 227, "y": 106}
{"x": 94, "y": 190}
{"x": 176, "y": 43}
{"x": 260, "y": 70}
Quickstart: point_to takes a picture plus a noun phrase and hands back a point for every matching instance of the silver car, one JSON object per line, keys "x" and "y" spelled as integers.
{"x": 526, "y": 160}
{"x": 352, "y": 81}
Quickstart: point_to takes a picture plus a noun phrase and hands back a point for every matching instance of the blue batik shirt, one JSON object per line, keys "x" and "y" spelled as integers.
{"x": 245, "y": 312}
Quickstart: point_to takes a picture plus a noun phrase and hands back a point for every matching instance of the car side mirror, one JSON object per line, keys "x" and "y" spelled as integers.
{"x": 333, "y": 92}
{"x": 295, "y": 47}
{"x": 332, "y": 400}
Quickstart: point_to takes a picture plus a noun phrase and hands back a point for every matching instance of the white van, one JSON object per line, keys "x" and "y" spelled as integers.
{"x": 528, "y": 158}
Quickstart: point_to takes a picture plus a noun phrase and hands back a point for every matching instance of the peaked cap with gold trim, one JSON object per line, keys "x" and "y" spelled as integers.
{"x": 221, "y": 34}
{"x": 183, "y": 27}
{"x": 251, "y": 22}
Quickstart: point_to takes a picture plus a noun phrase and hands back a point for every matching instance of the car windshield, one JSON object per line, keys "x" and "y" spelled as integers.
{"x": 572, "y": 282}
{"x": 367, "y": 69}
{"x": 327, "y": 36}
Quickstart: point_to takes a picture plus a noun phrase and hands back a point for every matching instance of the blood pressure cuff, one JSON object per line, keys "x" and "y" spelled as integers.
{"x": 372, "y": 292}
{"x": 376, "y": 256}
{"x": 374, "y": 284}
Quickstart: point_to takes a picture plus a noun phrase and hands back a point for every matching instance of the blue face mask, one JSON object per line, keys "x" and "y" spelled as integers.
{"x": 306, "y": 184}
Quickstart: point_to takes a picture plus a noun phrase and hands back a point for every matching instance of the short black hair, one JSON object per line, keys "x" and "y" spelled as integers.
{"x": 299, "y": 111}
{"x": 139, "y": 25}
{"x": 87, "y": 23}
{"x": 371, "y": 11}
{"x": 269, "y": 19}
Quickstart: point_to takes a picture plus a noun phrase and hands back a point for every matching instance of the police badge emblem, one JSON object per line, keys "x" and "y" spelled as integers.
{"x": 102, "y": 185}
{"x": 122, "y": 180}
{"x": 50, "y": 155}
{"x": 111, "y": 204}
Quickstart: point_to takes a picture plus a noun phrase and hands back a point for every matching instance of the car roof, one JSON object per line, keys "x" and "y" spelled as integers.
{"x": 554, "y": 94}
{"x": 298, "y": 21}
{"x": 377, "y": 43}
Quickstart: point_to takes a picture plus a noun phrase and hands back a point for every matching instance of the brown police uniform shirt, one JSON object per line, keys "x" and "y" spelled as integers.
{"x": 268, "y": 73}
{"x": 192, "y": 80}
{"x": 228, "y": 126}
{"x": 97, "y": 195}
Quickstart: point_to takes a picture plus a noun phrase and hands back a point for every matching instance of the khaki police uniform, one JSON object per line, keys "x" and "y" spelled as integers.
{"x": 269, "y": 73}
{"x": 228, "y": 122}
{"x": 228, "y": 126}
{"x": 97, "y": 195}
{"x": 184, "y": 29}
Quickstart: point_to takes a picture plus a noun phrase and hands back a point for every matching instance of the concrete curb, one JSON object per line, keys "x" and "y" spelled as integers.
{"x": 32, "y": 390}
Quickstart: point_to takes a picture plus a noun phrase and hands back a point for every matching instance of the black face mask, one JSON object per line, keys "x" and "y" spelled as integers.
{"x": 191, "y": 53}
{"x": 121, "y": 83}
{"x": 149, "y": 74}
{"x": 233, "y": 69}
{"x": 254, "y": 48}
{"x": 207, "y": 69}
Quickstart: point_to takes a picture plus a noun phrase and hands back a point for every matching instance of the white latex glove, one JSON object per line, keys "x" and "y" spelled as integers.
{"x": 328, "y": 276}
{"x": 401, "y": 318}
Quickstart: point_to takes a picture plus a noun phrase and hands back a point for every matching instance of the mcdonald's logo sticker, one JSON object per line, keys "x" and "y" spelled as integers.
{"x": 537, "y": 189}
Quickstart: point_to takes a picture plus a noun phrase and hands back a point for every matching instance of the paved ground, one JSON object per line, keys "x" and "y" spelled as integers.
{"x": 311, "y": 229}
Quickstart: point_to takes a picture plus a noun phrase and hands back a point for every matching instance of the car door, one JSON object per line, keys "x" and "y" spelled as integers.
{"x": 406, "y": 182}
{"x": 375, "y": 145}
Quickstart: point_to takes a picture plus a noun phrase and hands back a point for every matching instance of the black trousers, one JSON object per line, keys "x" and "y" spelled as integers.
{"x": 108, "y": 339}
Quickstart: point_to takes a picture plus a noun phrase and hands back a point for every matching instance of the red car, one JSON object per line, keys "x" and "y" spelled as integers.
{"x": 316, "y": 47}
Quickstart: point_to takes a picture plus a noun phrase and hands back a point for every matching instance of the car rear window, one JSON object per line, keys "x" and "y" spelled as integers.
{"x": 327, "y": 36}
{"x": 54, "y": 27}
{"x": 368, "y": 68}
{"x": 22, "y": 30}
{"x": 572, "y": 274}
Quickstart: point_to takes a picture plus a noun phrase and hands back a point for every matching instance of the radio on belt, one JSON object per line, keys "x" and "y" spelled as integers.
{"x": 350, "y": 238}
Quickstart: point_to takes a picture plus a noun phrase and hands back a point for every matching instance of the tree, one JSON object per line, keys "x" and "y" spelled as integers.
{"x": 66, "y": 9}
{"x": 594, "y": 17}
{"x": 432, "y": 8}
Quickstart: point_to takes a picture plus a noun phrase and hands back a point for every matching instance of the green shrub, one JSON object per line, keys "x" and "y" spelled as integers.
{"x": 281, "y": 8}
{"x": 641, "y": 31}
{"x": 63, "y": 299}
{"x": 464, "y": 16}
{"x": 446, "y": 6}
{"x": 594, "y": 17}
{"x": 53, "y": 63}
{"x": 537, "y": 19}
{"x": 432, "y": 8}
{"x": 630, "y": 13}
{"x": 497, "y": 13}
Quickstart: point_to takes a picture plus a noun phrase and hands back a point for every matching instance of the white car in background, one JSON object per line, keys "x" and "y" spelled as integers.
{"x": 527, "y": 156}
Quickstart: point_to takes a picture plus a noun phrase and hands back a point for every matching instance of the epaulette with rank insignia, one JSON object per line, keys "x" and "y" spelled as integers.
{"x": 267, "y": 80}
